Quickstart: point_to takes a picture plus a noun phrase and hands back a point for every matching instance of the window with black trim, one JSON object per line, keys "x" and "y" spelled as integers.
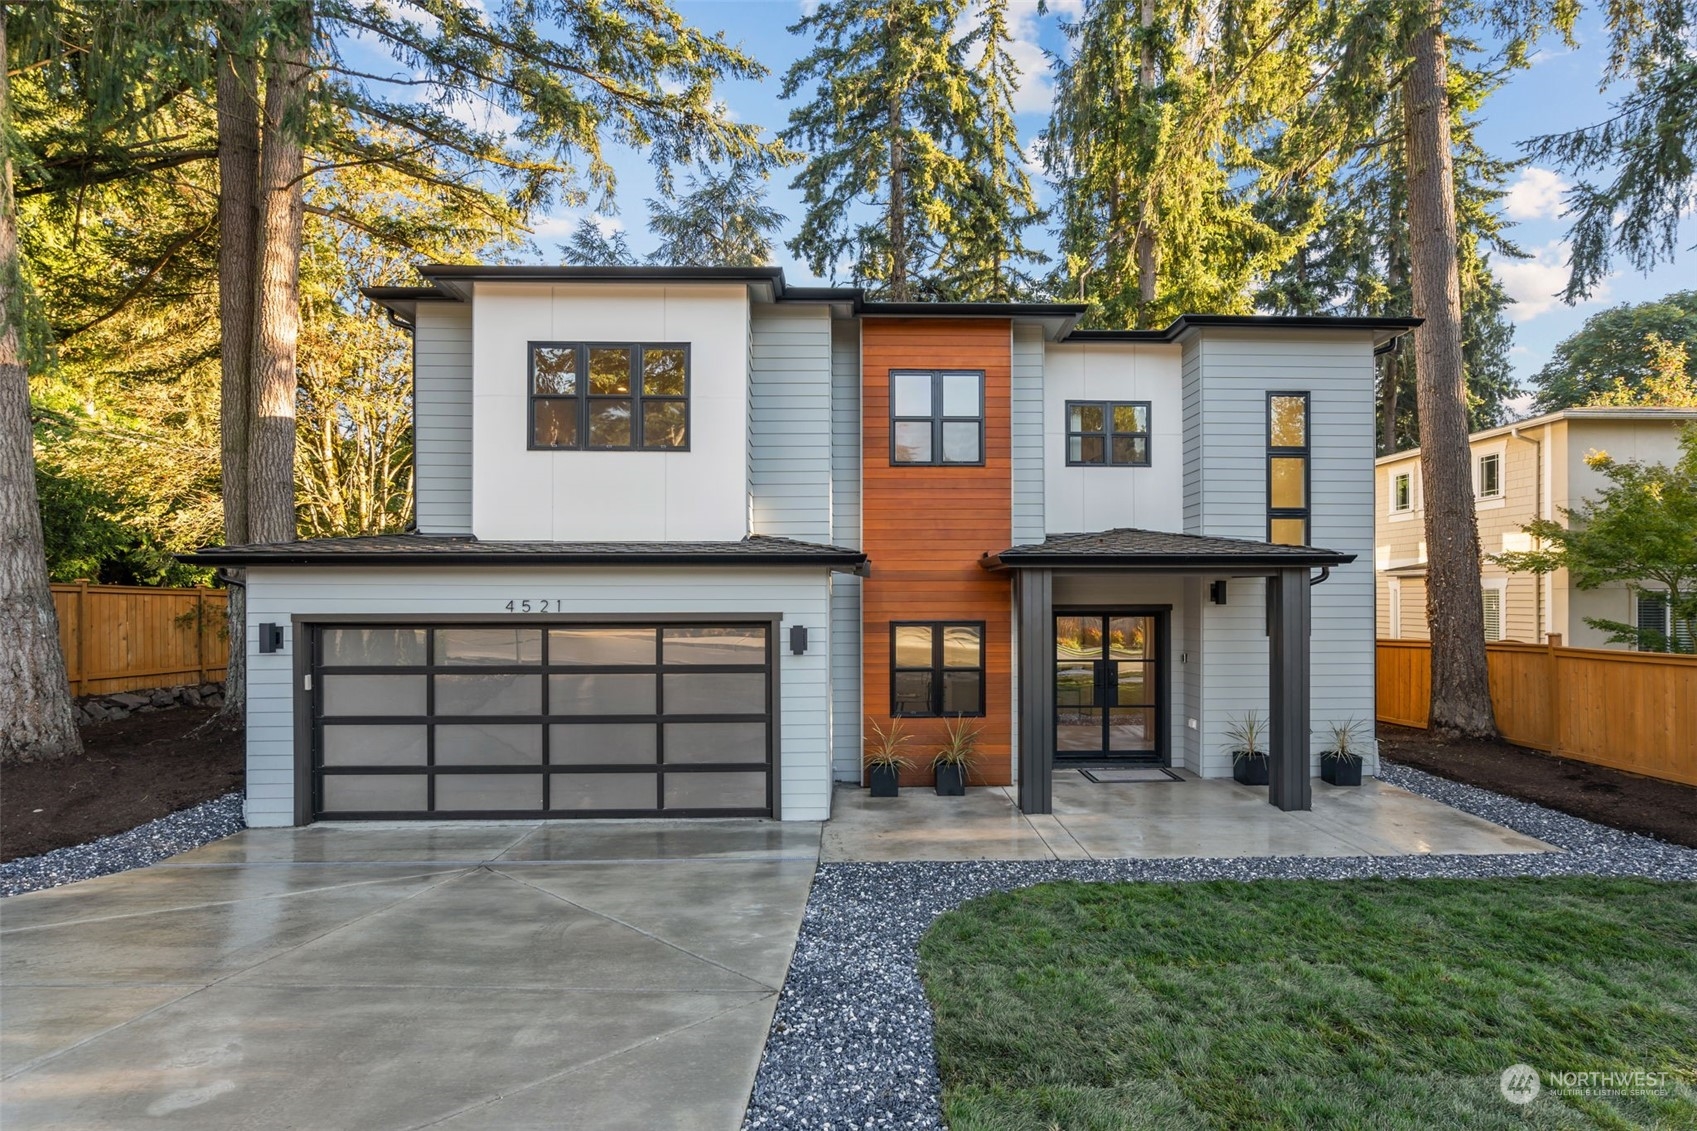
{"x": 609, "y": 396}
{"x": 936, "y": 669}
{"x": 1287, "y": 469}
{"x": 1107, "y": 433}
{"x": 936, "y": 417}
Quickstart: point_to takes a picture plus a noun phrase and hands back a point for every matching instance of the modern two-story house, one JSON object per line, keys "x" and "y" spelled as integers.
{"x": 681, "y": 532}
{"x": 1532, "y": 469}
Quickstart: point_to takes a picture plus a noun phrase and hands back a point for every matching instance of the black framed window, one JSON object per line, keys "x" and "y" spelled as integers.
{"x": 609, "y": 396}
{"x": 936, "y": 417}
{"x": 936, "y": 669}
{"x": 1107, "y": 433}
{"x": 1287, "y": 469}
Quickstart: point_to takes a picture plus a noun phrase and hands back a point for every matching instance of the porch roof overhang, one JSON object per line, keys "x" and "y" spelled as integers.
{"x": 1159, "y": 551}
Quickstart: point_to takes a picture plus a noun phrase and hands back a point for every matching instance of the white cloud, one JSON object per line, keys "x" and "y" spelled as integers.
{"x": 1535, "y": 283}
{"x": 560, "y": 225}
{"x": 1535, "y": 195}
{"x": 1036, "y": 87}
{"x": 1067, "y": 9}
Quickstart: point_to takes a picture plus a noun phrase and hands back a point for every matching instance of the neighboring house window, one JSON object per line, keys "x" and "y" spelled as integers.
{"x": 1394, "y": 589}
{"x": 1493, "y": 614}
{"x": 599, "y": 396}
{"x": 937, "y": 669}
{"x": 1107, "y": 433}
{"x": 1491, "y": 476}
{"x": 1655, "y": 614}
{"x": 1402, "y": 492}
{"x": 936, "y": 417}
{"x": 1287, "y": 468}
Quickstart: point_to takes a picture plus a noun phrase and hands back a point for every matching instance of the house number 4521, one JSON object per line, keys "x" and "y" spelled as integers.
{"x": 536, "y": 605}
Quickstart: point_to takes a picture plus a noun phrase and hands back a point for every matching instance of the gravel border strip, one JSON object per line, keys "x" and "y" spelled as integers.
{"x": 141, "y": 846}
{"x": 851, "y": 1044}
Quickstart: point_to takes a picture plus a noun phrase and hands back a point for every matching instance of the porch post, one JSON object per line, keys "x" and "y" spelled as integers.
{"x": 1036, "y": 593}
{"x": 1288, "y": 678}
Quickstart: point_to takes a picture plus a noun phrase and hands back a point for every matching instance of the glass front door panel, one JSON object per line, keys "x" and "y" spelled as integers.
{"x": 1134, "y": 684}
{"x": 1131, "y": 638}
{"x": 1106, "y": 683}
{"x": 1075, "y": 685}
{"x": 1131, "y": 729}
{"x": 1078, "y": 730}
{"x": 1078, "y": 638}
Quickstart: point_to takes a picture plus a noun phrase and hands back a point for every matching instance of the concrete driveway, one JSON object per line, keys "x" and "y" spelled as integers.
{"x": 594, "y": 975}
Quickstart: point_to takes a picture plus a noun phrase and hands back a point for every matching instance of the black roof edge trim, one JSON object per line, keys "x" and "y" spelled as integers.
{"x": 1185, "y": 322}
{"x": 1164, "y": 563}
{"x": 855, "y": 560}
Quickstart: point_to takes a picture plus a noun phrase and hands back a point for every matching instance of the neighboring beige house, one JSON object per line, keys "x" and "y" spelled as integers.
{"x": 1531, "y": 469}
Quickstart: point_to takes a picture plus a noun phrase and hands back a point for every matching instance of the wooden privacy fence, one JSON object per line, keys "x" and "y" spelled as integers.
{"x": 130, "y": 637}
{"x": 1634, "y": 711}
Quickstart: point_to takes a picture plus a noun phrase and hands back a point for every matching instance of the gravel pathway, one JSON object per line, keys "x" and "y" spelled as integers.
{"x": 851, "y": 1044}
{"x": 141, "y": 846}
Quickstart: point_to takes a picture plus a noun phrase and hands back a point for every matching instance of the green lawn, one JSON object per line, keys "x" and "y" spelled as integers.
{"x": 1306, "y": 1003}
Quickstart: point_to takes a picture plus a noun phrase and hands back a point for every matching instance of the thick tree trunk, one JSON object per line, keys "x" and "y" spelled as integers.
{"x": 1461, "y": 694}
{"x": 1145, "y": 243}
{"x": 238, "y": 225}
{"x": 271, "y": 444}
{"x": 1390, "y": 378}
{"x": 36, "y": 721}
{"x": 898, "y": 202}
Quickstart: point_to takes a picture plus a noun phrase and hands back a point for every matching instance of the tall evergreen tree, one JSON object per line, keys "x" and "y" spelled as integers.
{"x": 907, "y": 143}
{"x": 722, "y": 220}
{"x": 590, "y": 245}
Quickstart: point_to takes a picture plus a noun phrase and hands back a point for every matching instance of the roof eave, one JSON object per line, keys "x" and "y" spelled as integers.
{"x": 1165, "y": 563}
{"x": 841, "y": 563}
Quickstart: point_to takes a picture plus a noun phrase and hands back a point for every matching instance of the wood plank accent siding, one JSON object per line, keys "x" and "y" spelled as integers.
{"x": 1633, "y": 711}
{"x": 925, "y": 528}
{"x": 136, "y": 637}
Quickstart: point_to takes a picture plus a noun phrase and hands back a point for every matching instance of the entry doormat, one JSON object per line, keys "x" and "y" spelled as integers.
{"x": 1128, "y": 774}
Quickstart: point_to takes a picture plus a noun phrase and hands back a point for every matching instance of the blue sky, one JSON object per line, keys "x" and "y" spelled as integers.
{"x": 1558, "y": 92}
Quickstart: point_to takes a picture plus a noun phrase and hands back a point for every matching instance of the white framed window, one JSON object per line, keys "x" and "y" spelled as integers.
{"x": 1394, "y": 607}
{"x": 1402, "y": 492}
{"x": 1491, "y": 476}
{"x": 1656, "y": 615}
{"x": 1496, "y": 609}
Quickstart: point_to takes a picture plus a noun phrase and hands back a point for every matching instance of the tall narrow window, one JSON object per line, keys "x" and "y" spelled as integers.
{"x": 1394, "y": 610}
{"x": 936, "y": 417}
{"x": 1493, "y": 614}
{"x": 1105, "y": 433}
{"x": 1491, "y": 476}
{"x": 609, "y": 396}
{"x": 936, "y": 669}
{"x": 1656, "y": 615}
{"x": 1402, "y": 492}
{"x": 1287, "y": 468}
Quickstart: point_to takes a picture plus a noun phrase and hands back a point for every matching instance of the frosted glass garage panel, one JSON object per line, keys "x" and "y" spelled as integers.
{"x": 715, "y": 742}
{"x": 372, "y": 647}
{"x": 726, "y": 646}
{"x": 373, "y": 694}
{"x": 602, "y": 791}
{"x": 588, "y": 744}
{"x": 601, "y": 693}
{"x": 488, "y": 791}
{"x": 375, "y": 745}
{"x": 492, "y": 694}
{"x": 716, "y": 693}
{"x": 495, "y": 744}
{"x": 712, "y": 790}
{"x": 504, "y": 646}
{"x": 601, "y": 647}
{"x": 375, "y": 793}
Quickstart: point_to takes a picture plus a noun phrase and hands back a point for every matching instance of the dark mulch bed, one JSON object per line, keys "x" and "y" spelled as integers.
{"x": 131, "y": 771}
{"x": 1662, "y": 809}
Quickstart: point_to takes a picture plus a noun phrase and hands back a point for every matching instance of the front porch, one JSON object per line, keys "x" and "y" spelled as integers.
{"x": 1192, "y": 817}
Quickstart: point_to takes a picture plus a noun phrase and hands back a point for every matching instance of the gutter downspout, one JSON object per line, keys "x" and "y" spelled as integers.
{"x": 1538, "y": 614}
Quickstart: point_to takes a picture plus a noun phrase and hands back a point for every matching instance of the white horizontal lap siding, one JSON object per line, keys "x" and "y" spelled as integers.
{"x": 442, "y": 418}
{"x": 801, "y": 596}
{"x": 845, "y": 531}
{"x": 1226, "y": 391}
{"x": 1028, "y": 437}
{"x": 789, "y": 434}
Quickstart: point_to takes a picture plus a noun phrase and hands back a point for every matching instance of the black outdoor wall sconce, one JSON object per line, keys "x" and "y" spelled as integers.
{"x": 270, "y": 637}
{"x": 798, "y": 639}
{"x": 1217, "y": 592}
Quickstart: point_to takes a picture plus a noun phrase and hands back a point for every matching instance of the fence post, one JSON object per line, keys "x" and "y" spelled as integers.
{"x": 1552, "y": 684}
{"x": 200, "y": 633}
{"x": 79, "y": 684}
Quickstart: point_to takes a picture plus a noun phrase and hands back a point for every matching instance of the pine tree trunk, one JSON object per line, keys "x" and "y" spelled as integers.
{"x": 271, "y": 444}
{"x": 1145, "y": 243}
{"x": 36, "y": 720}
{"x": 238, "y": 224}
{"x": 898, "y": 185}
{"x": 1390, "y": 378}
{"x": 1461, "y": 694}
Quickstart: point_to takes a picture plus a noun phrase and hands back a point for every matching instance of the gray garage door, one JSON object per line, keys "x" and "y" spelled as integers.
{"x": 557, "y": 720}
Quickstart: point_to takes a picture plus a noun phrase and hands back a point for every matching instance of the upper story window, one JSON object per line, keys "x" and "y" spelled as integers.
{"x": 1287, "y": 468}
{"x": 936, "y": 417}
{"x": 1490, "y": 484}
{"x": 1402, "y": 491}
{"x": 609, "y": 396}
{"x": 936, "y": 669}
{"x": 1107, "y": 433}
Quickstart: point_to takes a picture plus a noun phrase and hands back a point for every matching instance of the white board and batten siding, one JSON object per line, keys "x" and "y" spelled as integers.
{"x": 442, "y": 418}
{"x": 801, "y": 596}
{"x": 845, "y": 531}
{"x": 1227, "y": 376}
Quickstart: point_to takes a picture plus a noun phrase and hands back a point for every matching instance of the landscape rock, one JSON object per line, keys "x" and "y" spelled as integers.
{"x": 122, "y": 704}
{"x": 128, "y": 699}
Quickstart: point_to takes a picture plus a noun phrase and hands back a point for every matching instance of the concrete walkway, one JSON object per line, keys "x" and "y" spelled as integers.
{"x": 1193, "y": 817}
{"x": 596, "y": 974}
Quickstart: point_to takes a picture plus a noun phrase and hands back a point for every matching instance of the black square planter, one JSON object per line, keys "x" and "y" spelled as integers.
{"x": 951, "y": 781}
{"x": 1340, "y": 771}
{"x": 1251, "y": 771}
{"x": 884, "y": 781}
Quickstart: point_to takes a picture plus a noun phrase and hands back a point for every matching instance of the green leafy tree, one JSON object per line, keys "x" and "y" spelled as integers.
{"x": 1669, "y": 385}
{"x": 591, "y": 245}
{"x": 721, "y": 220}
{"x": 1609, "y": 348}
{"x": 907, "y": 143}
{"x": 1641, "y": 528}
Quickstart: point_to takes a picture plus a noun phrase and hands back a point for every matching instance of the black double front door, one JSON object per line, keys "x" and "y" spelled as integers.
{"x": 1108, "y": 686}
